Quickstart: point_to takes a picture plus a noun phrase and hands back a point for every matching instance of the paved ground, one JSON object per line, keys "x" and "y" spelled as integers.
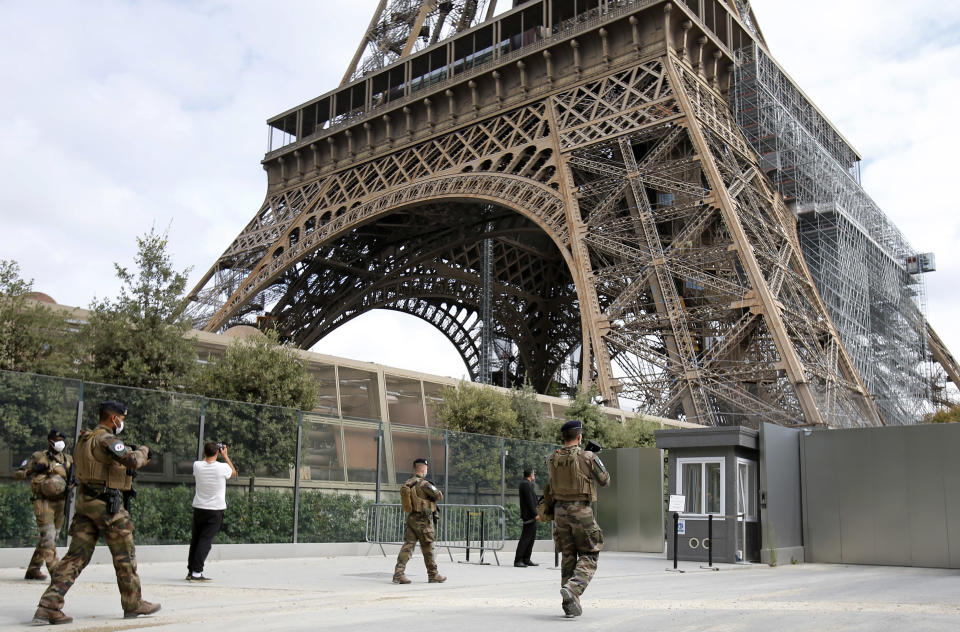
{"x": 630, "y": 592}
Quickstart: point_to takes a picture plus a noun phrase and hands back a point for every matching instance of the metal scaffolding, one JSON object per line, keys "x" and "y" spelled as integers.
{"x": 856, "y": 255}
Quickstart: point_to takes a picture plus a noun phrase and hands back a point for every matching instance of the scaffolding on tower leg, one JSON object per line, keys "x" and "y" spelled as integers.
{"x": 857, "y": 257}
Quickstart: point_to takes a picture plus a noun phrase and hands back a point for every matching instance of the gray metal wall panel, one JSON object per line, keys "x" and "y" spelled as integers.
{"x": 630, "y": 510}
{"x": 926, "y": 506}
{"x": 889, "y": 497}
{"x": 855, "y": 460}
{"x": 822, "y": 500}
{"x": 882, "y": 495}
{"x": 780, "y": 511}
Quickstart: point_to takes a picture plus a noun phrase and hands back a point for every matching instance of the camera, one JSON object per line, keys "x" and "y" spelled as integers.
{"x": 220, "y": 446}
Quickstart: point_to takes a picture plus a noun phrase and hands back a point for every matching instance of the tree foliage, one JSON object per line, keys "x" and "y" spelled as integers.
{"x": 272, "y": 378}
{"x": 138, "y": 339}
{"x": 34, "y": 337}
{"x": 944, "y": 416}
{"x": 477, "y": 409}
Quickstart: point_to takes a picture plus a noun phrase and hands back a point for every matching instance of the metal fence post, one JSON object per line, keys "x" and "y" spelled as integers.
{"x": 503, "y": 471}
{"x": 203, "y": 421}
{"x": 379, "y": 457}
{"x": 296, "y": 477}
{"x": 446, "y": 464}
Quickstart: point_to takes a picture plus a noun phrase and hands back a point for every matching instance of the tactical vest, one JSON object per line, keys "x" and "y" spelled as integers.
{"x": 57, "y": 468}
{"x": 95, "y": 467}
{"x": 413, "y": 498}
{"x": 571, "y": 476}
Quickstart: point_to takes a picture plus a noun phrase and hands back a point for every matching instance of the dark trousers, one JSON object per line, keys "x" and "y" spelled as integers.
{"x": 525, "y": 545}
{"x": 206, "y": 525}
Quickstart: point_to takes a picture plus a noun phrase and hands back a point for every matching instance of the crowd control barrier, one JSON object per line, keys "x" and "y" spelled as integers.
{"x": 466, "y": 527}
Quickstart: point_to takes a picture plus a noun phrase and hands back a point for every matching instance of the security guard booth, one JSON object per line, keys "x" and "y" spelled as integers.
{"x": 716, "y": 471}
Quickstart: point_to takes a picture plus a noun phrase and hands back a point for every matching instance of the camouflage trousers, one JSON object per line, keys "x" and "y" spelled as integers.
{"x": 49, "y": 515}
{"x": 579, "y": 540}
{"x": 89, "y": 523}
{"x": 419, "y": 529}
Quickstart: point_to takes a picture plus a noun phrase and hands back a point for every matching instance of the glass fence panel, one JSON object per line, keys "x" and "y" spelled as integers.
{"x": 30, "y": 406}
{"x": 410, "y": 444}
{"x": 522, "y": 455}
{"x": 475, "y": 469}
{"x": 322, "y": 458}
{"x": 167, "y": 422}
{"x": 360, "y": 442}
{"x": 262, "y": 440}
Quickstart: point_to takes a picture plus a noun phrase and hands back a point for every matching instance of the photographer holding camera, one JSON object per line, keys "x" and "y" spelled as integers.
{"x": 209, "y": 503}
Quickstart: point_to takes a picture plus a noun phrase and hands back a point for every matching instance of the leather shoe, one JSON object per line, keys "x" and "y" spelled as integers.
{"x": 521, "y": 564}
{"x": 529, "y": 563}
{"x": 49, "y": 616}
{"x": 145, "y": 607}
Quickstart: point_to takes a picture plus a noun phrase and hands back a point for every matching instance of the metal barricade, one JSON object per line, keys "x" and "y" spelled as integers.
{"x": 466, "y": 527}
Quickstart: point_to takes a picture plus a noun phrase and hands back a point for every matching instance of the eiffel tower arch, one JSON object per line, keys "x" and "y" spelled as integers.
{"x": 567, "y": 175}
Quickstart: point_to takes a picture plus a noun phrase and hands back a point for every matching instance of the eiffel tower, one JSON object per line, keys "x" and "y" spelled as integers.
{"x": 564, "y": 179}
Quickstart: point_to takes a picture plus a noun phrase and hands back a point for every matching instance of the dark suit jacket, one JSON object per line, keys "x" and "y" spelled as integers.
{"x": 528, "y": 501}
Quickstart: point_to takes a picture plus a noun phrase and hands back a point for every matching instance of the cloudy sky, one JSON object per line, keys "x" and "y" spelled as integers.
{"x": 121, "y": 115}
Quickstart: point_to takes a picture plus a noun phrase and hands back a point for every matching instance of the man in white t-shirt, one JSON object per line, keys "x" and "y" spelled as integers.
{"x": 209, "y": 502}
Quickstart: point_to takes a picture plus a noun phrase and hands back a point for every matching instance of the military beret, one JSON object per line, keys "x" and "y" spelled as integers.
{"x": 419, "y": 461}
{"x": 55, "y": 434}
{"x": 112, "y": 406}
{"x": 573, "y": 424}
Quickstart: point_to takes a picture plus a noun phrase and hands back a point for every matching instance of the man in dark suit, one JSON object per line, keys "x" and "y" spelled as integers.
{"x": 528, "y": 514}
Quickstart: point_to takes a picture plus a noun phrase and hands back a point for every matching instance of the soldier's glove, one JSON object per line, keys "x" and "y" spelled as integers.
{"x": 40, "y": 468}
{"x": 149, "y": 454}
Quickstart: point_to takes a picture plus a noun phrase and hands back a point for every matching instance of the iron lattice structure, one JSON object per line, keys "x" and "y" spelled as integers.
{"x": 857, "y": 256}
{"x": 567, "y": 179}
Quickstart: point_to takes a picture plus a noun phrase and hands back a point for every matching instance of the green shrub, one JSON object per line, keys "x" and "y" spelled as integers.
{"x": 331, "y": 517}
{"x": 163, "y": 515}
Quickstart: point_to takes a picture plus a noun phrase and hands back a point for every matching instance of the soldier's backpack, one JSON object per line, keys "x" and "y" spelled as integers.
{"x": 409, "y": 500}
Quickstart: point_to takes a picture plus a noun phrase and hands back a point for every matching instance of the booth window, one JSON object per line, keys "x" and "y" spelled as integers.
{"x": 747, "y": 489}
{"x": 701, "y": 482}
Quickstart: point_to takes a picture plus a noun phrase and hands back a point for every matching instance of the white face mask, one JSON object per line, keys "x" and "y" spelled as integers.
{"x": 59, "y": 446}
{"x": 119, "y": 428}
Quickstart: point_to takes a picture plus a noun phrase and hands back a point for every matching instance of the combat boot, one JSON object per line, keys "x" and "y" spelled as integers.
{"x": 35, "y": 573}
{"x": 145, "y": 607}
{"x": 400, "y": 578}
{"x": 437, "y": 578}
{"x": 571, "y": 603}
{"x": 49, "y": 616}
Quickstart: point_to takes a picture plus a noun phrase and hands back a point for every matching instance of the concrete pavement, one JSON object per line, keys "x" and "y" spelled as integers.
{"x": 631, "y": 591}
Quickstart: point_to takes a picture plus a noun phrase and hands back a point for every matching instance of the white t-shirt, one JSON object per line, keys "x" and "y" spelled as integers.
{"x": 211, "y": 484}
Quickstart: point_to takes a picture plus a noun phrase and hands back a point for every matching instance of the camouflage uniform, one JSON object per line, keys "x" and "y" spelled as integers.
{"x": 48, "y": 511}
{"x": 576, "y": 533}
{"x": 112, "y": 460}
{"x": 420, "y": 528}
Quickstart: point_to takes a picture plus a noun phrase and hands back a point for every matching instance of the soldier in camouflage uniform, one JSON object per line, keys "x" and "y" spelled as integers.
{"x": 574, "y": 473}
{"x": 49, "y": 471}
{"x": 104, "y": 467}
{"x": 419, "y": 497}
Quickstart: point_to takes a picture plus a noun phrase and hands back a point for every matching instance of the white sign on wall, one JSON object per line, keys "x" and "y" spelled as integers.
{"x": 677, "y": 502}
{"x": 682, "y": 526}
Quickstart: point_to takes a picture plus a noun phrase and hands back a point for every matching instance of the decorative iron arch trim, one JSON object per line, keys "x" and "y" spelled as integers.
{"x": 534, "y": 200}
